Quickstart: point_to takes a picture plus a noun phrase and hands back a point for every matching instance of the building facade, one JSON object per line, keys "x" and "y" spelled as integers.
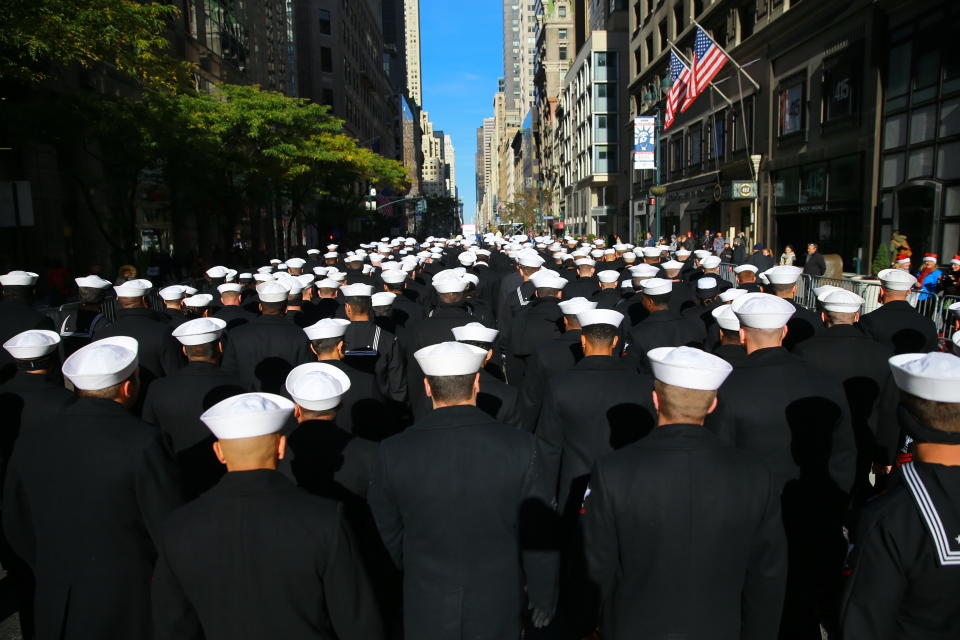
{"x": 411, "y": 22}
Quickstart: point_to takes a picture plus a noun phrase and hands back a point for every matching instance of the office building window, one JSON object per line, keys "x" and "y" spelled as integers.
{"x": 562, "y": 53}
{"x": 326, "y": 59}
{"x": 562, "y": 11}
{"x": 324, "y": 21}
{"x": 841, "y": 86}
{"x": 562, "y": 34}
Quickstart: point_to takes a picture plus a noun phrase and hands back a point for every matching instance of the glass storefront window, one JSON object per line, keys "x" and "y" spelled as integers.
{"x": 786, "y": 187}
{"x": 844, "y": 179}
{"x": 813, "y": 184}
{"x": 895, "y": 131}
{"x": 920, "y": 163}
{"x": 951, "y": 202}
{"x": 892, "y": 171}
{"x": 791, "y": 108}
{"x": 898, "y": 76}
{"x": 923, "y": 124}
{"x": 948, "y": 161}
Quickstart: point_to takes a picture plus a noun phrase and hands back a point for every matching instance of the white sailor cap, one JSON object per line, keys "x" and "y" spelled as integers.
{"x": 263, "y": 277}
{"x": 102, "y": 364}
{"x": 954, "y": 308}
{"x": 296, "y": 287}
{"x": 450, "y": 359}
{"x": 245, "y": 276}
{"x": 841, "y": 301}
{"x": 467, "y": 258}
{"x": 217, "y": 272}
{"x": 702, "y": 253}
{"x": 173, "y": 292}
{"x": 783, "y": 274}
{"x": 313, "y": 252}
{"x": 339, "y": 276}
{"x": 354, "y": 258}
{"x": 651, "y": 252}
{"x": 608, "y": 276}
{"x": 471, "y": 278}
{"x": 547, "y": 279}
{"x": 710, "y": 262}
{"x": 672, "y": 265}
{"x": 275, "y": 261}
{"x": 19, "y": 279}
{"x": 644, "y": 271}
{"x": 688, "y": 368}
{"x": 327, "y": 328}
{"x": 383, "y": 299}
{"x": 188, "y": 290}
{"x": 573, "y": 306}
{"x": 706, "y": 283}
{"x": 305, "y": 279}
{"x": 394, "y": 276}
{"x": 745, "y": 267}
{"x": 530, "y": 259}
{"x": 597, "y": 253}
{"x": 585, "y": 262}
{"x": 327, "y": 283}
{"x": 92, "y": 282}
{"x": 231, "y": 274}
{"x": 316, "y": 386}
{"x": 32, "y": 344}
{"x": 330, "y": 255}
{"x": 732, "y": 294}
{"x": 823, "y": 290}
{"x": 629, "y": 256}
{"x": 332, "y": 247}
{"x": 199, "y": 331}
{"x": 763, "y": 277}
{"x": 358, "y": 290}
{"x": 199, "y": 301}
{"x": 265, "y": 269}
{"x": 451, "y": 283}
{"x": 931, "y": 376}
{"x": 683, "y": 253}
{"x": 609, "y": 252}
{"x": 589, "y": 317}
{"x": 296, "y": 263}
{"x": 656, "y": 286}
{"x": 476, "y": 332}
{"x": 725, "y": 317}
{"x": 133, "y": 288}
{"x": 956, "y": 342}
{"x": 274, "y": 291}
{"x": 896, "y": 279}
{"x": 247, "y": 415}
{"x": 762, "y": 311}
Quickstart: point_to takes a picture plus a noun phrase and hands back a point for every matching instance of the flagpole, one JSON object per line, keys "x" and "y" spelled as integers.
{"x": 688, "y": 63}
{"x": 729, "y": 57}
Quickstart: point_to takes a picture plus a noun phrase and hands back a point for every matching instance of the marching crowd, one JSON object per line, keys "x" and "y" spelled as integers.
{"x": 486, "y": 439}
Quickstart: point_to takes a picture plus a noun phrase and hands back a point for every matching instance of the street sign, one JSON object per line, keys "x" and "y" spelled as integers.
{"x": 645, "y": 142}
{"x": 469, "y": 230}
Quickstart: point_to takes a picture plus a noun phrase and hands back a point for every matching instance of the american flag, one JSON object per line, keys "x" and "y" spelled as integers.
{"x": 680, "y": 74}
{"x": 708, "y": 59}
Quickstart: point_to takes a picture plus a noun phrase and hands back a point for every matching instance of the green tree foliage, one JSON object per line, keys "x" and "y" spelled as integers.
{"x": 39, "y": 37}
{"x": 523, "y": 209}
{"x": 881, "y": 259}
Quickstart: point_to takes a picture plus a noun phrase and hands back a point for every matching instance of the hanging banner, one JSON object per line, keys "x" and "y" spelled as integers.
{"x": 645, "y": 142}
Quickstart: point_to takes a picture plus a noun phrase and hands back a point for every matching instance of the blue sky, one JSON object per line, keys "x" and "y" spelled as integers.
{"x": 461, "y": 57}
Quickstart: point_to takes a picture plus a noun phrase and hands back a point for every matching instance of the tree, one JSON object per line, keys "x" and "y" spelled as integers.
{"x": 881, "y": 259}
{"x": 523, "y": 209}
{"x": 40, "y": 37}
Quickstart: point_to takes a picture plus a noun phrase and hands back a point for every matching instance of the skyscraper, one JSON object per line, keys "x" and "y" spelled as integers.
{"x": 411, "y": 22}
{"x": 519, "y": 52}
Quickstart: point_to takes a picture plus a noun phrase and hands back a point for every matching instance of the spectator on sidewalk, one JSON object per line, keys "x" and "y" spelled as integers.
{"x": 739, "y": 248}
{"x": 928, "y": 276}
{"x": 788, "y": 257}
{"x": 815, "y": 265}
{"x": 759, "y": 259}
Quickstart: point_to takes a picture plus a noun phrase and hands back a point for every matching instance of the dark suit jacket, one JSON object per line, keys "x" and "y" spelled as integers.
{"x": 263, "y": 351}
{"x": 899, "y": 326}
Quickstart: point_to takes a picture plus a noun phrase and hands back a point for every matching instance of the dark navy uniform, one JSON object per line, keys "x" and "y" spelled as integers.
{"x": 663, "y": 328}
{"x": 681, "y": 522}
{"x": 234, "y": 315}
{"x": 732, "y": 353}
{"x": 606, "y": 298}
{"x": 174, "y": 404}
{"x": 550, "y": 358}
{"x": 159, "y": 353}
{"x": 263, "y": 351}
{"x": 175, "y": 317}
{"x": 581, "y": 288}
{"x": 803, "y": 325}
{"x": 899, "y": 326}
{"x": 83, "y": 502}
{"x": 257, "y": 557}
{"x": 463, "y": 507}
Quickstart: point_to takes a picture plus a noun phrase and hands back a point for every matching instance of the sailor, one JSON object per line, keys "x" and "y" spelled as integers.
{"x": 16, "y": 311}
{"x": 843, "y": 351}
{"x": 172, "y": 298}
{"x": 648, "y": 510}
{"x": 663, "y": 327}
{"x": 174, "y": 403}
{"x": 463, "y": 506}
{"x": 608, "y": 295}
{"x": 295, "y": 266}
{"x": 84, "y": 498}
{"x": 496, "y": 398}
{"x": 632, "y": 308}
{"x": 197, "y": 306}
{"x": 158, "y": 354}
{"x": 537, "y": 323}
{"x": 256, "y": 556}
{"x": 804, "y": 323}
{"x": 747, "y": 277}
{"x": 404, "y": 311}
{"x": 327, "y": 303}
{"x": 594, "y": 407}
{"x": 77, "y": 323}
{"x": 230, "y": 310}
{"x": 263, "y": 351}
{"x": 906, "y": 552}
{"x": 897, "y": 324}
{"x": 586, "y": 284}
{"x": 729, "y": 348}
{"x": 794, "y": 418}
